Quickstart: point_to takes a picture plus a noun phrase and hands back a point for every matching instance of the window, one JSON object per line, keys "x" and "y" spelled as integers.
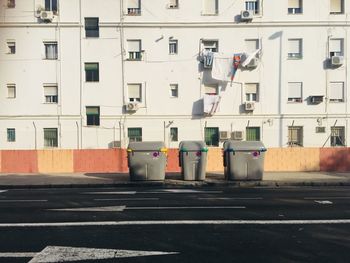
{"x": 172, "y": 46}
{"x": 134, "y": 92}
{"x": 210, "y": 45}
{"x": 295, "y": 6}
{"x": 93, "y": 116}
{"x": 51, "y": 5}
{"x": 51, "y": 51}
{"x": 135, "y": 134}
{"x": 11, "y": 47}
{"x": 173, "y": 4}
{"x": 11, "y": 3}
{"x": 211, "y": 136}
{"x": 295, "y": 92}
{"x": 295, "y": 48}
{"x": 253, "y": 133}
{"x": 92, "y": 72}
{"x": 11, "y": 135}
{"x": 252, "y": 6}
{"x": 336, "y": 92}
{"x": 251, "y": 92}
{"x": 92, "y": 27}
{"x": 11, "y": 91}
{"x": 51, "y": 93}
{"x": 337, "y": 7}
{"x": 134, "y": 7}
{"x": 173, "y": 134}
{"x": 212, "y": 89}
{"x": 134, "y": 49}
{"x": 336, "y": 47}
{"x": 337, "y": 136}
{"x": 295, "y": 136}
{"x": 252, "y": 45}
{"x": 50, "y": 137}
{"x": 210, "y": 7}
{"x": 174, "y": 90}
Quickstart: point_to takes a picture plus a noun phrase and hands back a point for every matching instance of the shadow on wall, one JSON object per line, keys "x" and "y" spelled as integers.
{"x": 335, "y": 159}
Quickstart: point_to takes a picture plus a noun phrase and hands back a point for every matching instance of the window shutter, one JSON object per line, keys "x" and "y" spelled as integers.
{"x": 211, "y": 89}
{"x": 134, "y": 45}
{"x": 91, "y": 23}
{"x": 173, "y": 2}
{"x": 209, "y": 7}
{"x": 11, "y": 91}
{"x": 294, "y": 46}
{"x": 251, "y": 88}
{"x": 336, "y": 90}
{"x": 335, "y": 45}
{"x": 252, "y": 45}
{"x": 133, "y": 4}
{"x": 92, "y": 111}
{"x": 91, "y": 66}
{"x": 50, "y": 90}
{"x": 336, "y": 6}
{"x": 294, "y": 89}
{"x": 134, "y": 90}
{"x": 294, "y": 4}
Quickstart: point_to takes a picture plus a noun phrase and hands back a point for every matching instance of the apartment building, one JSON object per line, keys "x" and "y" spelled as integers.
{"x": 81, "y": 74}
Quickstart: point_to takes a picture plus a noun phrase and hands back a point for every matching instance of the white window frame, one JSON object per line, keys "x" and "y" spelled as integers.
{"x": 9, "y": 137}
{"x": 54, "y": 142}
{"x": 210, "y": 12}
{"x": 211, "y": 45}
{"x": 342, "y": 7}
{"x": 11, "y": 47}
{"x": 332, "y": 51}
{"x": 249, "y": 96}
{"x": 299, "y": 141}
{"x": 253, "y": 5}
{"x": 47, "y": 54}
{"x": 337, "y": 131}
{"x": 173, "y": 4}
{"x": 177, "y": 134}
{"x": 133, "y": 7}
{"x": 51, "y": 98}
{"x": 294, "y": 99}
{"x": 295, "y": 9}
{"x": 338, "y": 99}
{"x": 174, "y": 87}
{"x": 134, "y": 54}
{"x": 248, "y": 46}
{"x": 11, "y": 86}
{"x": 293, "y": 54}
{"x": 173, "y": 46}
{"x": 135, "y": 99}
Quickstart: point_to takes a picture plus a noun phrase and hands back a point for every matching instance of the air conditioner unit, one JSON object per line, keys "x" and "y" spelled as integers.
{"x": 46, "y": 15}
{"x": 320, "y": 129}
{"x": 249, "y": 106}
{"x": 237, "y": 135}
{"x": 337, "y": 60}
{"x": 247, "y": 15}
{"x": 223, "y": 135}
{"x": 253, "y": 63}
{"x": 132, "y": 106}
{"x": 316, "y": 99}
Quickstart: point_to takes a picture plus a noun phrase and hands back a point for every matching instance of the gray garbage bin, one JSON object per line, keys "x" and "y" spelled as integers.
{"x": 147, "y": 161}
{"x": 193, "y": 160}
{"x": 244, "y": 160}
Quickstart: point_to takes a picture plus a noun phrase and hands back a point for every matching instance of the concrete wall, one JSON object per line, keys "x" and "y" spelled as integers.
{"x": 115, "y": 160}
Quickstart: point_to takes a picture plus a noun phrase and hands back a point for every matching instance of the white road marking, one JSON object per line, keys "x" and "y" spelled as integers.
{"x": 92, "y": 209}
{"x": 179, "y": 222}
{"x": 183, "y": 207}
{"x": 111, "y": 193}
{"x": 25, "y": 200}
{"x": 127, "y": 199}
{"x": 17, "y": 255}
{"x": 230, "y": 198}
{"x": 3, "y": 191}
{"x": 324, "y": 202}
{"x": 186, "y": 191}
{"x": 68, "y": 254}
{"x": 327, "y": 198}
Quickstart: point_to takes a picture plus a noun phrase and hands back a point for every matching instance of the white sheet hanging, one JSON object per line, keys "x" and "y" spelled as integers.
{"x": 211, "y": 103}
{"x": 222, "y": 67}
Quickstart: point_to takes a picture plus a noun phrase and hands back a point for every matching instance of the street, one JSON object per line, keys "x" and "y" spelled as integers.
{"x": 155, "y": 224}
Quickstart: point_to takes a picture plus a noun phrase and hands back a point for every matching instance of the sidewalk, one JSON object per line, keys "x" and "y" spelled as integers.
{"x": 271, "y": 179}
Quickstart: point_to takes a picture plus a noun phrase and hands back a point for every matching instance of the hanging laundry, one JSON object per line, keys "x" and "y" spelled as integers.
{"x": 211, "y": 103}
{"x": 236, "y": 63}
{"x": 222, "y": 67}
{"x": 248, "y": 57}
{"x": 207, "y": 57}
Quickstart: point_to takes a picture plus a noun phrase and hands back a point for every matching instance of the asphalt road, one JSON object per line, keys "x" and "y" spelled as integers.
{"x": 175, "y": 225}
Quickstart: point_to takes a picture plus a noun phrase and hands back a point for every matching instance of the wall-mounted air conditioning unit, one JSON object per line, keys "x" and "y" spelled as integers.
{"x": 224, "y": 135}
{"x": 253, "y": 63}
{"x": 237, "y": 135}
{"x": 337, "y": 60}
{"x": 249, "y": 106}
{"x": 320, "y": 129}
{"x": 247, "y": 15}
{"x": 46, "y": 15}
{"x": 132, "y": 106}
{"x": 316, "y": 99}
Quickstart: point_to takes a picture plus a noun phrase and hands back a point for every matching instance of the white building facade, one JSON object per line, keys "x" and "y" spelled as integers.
{"x": 81, "y": 74}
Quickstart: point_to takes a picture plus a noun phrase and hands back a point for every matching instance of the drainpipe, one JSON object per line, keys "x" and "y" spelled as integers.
{"x": 35, "y": 142}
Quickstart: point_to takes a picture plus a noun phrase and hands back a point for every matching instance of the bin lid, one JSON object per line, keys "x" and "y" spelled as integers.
{"x": 244, "y": 145}
{"x": 193, "y": 146}
{"x": 146, "y": 146}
